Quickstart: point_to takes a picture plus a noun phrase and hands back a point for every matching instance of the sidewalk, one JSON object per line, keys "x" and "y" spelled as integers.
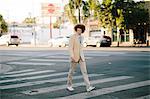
{"x": 46, "y": 47}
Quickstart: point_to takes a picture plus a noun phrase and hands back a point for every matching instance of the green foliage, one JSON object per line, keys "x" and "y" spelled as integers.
{"x": 30, "y": 21}
{"x": 3, "y": 26}
{"x": 70, "y": 14}
{"x": 117, "y": 13}
{"x": 136, "y": 14}
{"x": 85, "y": 11}
{"x": 94, "y": 7}
{"x": 105, "y": 15}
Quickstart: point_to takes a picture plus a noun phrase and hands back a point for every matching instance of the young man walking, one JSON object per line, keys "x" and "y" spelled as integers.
{"x": 77, "y": 56}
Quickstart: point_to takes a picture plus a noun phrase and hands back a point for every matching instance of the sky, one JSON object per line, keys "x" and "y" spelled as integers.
{"x": 18, "y": 10}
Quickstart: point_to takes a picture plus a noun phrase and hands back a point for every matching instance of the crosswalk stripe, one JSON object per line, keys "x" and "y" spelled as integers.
{"x": 54, "y": 88}
{"x": 43, "y": 81}
{"x": 108, "y": 90}
{"x": 143, "y": 97}
{"x": 67, "y": 57}
{"x": 30, "y": 63}
{"x": 21, "y": 71}
{"x": 49, "y": 60}
{"x": 33, "y": 77}
{"x": 29, "y": 73}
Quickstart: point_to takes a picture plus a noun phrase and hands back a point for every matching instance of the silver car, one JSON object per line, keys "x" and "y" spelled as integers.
{"x": 97, "y": 41}
{"x": 9, "y": 40}
{"x": 61, "y": 41}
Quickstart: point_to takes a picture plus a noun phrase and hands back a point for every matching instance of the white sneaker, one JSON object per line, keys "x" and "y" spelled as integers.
{"x": 90, "y": 88}
{"x": 70, "y": 88}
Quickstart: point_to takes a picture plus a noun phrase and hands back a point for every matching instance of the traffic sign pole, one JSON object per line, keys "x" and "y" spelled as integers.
{"x": 50, "y": 29}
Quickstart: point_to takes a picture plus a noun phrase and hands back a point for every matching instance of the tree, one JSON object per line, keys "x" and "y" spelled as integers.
{"x": 3, "y": 26}
{"x": 85, "y": 11}
{"x": 130, "y": 15}
{"x": 137, "y": 18}
{"x": 93, "y": 5}
{"x": 117, "y": 12}
{"x": 104, "y": 15}
{"x": 30, "y": 21}
{"x": 70, "y": 13}
{"x": 76, "y": 5}
{"x": 79, "y": 6}
{"x": 136, "y": 14}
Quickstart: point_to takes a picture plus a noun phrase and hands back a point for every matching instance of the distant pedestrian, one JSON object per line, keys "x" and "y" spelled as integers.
{"x": 77, "y": 56}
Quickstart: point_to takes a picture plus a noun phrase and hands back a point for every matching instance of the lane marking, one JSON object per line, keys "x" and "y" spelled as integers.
{"x": 55, "y": 88}
{"x": 108, "y": 90}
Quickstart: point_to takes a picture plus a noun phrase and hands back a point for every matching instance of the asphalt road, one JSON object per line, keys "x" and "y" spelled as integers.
{"x": 41, "y": 74}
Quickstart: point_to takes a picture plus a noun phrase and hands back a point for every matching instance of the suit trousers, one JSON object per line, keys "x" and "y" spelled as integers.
{"x": 83, "y": 70}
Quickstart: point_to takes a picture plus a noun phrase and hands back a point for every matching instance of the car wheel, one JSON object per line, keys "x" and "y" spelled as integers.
{"x": 63, "y": 45}
{"x": 98, "y": 44}
{"x": 84, "y": 45}
{"x": 7, "y": 44}
{"x": 16, "y": 44}
{"x": 108, "y": 46}
{"x": 50, "y": 44}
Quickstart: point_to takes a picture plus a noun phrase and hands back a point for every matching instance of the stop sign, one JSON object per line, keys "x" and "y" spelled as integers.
{"x": 51, "y": 8}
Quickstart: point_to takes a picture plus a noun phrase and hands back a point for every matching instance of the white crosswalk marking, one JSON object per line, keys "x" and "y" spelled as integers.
{"x": 31, "y": 63}
{"x": 21, "y": 71}
{"x": 33, "y": 83}
{"x": 66, "y": 57}
{"x": 55, "y": 60}
{"x": 33, "y": 77}
{"x": 44, "y": 90}
{"x": 107, "y": 90}
{"x": 42, "y": 82}
{"x": 50, "y": 89}
{"x": 49, "y": 60}
{"x": 30, "y": 73}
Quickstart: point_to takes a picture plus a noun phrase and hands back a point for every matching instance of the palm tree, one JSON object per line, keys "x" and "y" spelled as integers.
{"x": 70, "y": 13}
{"x": 84, "y": 7}
{"x": 78, "y": 5}
{"x": 93, "y": 7}
{"x": 74, "y": 6}
{"x": 85, "y": 11}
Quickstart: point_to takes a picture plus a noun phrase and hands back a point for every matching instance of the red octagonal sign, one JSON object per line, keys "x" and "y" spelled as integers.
{"x": 51, "y": 8}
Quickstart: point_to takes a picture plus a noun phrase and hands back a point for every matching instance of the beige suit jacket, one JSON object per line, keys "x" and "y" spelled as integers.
{"x": 75, "y": 48}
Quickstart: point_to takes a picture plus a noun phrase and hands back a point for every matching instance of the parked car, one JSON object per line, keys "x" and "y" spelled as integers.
{"x": 61, "y": 41}
{"x": 97, "y": 41}
{"x": 9, "y": 40}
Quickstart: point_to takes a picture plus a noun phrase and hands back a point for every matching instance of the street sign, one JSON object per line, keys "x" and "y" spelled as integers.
{"x": 50, "y": 9}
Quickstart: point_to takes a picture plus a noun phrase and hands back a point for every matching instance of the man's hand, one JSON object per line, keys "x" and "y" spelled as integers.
{"x": 73, "y": 59}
